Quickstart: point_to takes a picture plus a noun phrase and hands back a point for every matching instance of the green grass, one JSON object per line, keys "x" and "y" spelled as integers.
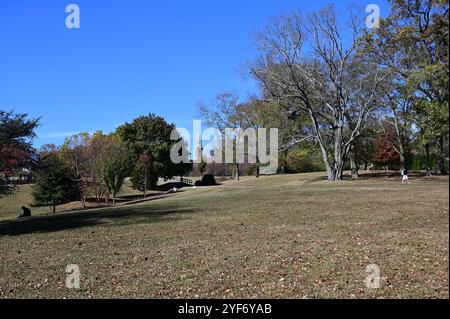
{"x": 293, "y": 236}
{"x": 10, "y": 207}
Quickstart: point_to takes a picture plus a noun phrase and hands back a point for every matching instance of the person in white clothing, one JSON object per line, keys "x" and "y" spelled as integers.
{"x": 405, "y": 178}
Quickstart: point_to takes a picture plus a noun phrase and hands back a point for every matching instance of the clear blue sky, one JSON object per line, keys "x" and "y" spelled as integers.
{"x": 129, "y": 58}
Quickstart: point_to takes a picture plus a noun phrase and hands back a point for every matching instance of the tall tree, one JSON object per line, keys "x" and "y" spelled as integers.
{"x": 258, "y": 114}
{"x": 221, "y": 114}
{"x": 16, "y": 134}
{"x": 308, "y": 67}
{"x": 115, "y": 165}
{"x": 151, "y": 135}
{"x": 56, "y": 184}
{"x": 144, "y": 177}
{"x": 413, "y": 43}
{"x": 399, "y": 116}
{"x": 98, "y": 144}
{"x": 75, "y": 152}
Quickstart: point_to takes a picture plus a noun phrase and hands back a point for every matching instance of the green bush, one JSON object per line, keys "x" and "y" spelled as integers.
{"x": 207, "y": 180}
{"x": 304, "y": 160}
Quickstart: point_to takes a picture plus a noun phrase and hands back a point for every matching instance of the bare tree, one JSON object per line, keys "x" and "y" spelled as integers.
{"x": 306, "y": 66}
{"x": 221, "y": 114}
{"x": 255, "y": 114}
{"x": 75, "y": 154}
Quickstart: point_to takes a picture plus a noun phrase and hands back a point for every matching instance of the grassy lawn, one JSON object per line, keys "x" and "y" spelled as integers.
{"x": 10, "y": 207}
{"x": 293, "y": 236}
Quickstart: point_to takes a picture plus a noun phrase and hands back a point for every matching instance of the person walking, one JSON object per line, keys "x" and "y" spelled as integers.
{"x": 405, "y": 178}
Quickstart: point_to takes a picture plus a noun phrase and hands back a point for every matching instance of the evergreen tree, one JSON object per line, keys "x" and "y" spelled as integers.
{"x": 56, "y": 184}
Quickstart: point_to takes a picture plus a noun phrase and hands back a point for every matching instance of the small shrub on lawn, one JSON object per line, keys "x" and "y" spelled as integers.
{"x": 207, "y": 180}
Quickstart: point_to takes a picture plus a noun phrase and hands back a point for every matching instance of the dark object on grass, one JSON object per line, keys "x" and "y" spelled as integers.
{"x": 207, "y": 180}
{"x": 171, "y": 191}
{"x": 26, "y": 212}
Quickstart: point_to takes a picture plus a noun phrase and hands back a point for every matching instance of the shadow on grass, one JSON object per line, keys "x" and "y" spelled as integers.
{"x": 371, "y": 175}
{"x": 165, "y": 187}
{"x": 322, "y": 178}
{"x": 387, "y": 175}
{"x": 127, "y": 198}
{"x": 73, "y": 220}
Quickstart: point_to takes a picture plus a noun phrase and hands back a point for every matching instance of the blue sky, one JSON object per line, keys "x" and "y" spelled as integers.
{"x": 129, "y": 58}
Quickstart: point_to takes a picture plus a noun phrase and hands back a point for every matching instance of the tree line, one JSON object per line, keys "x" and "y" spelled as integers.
{"x": 341, "y": 97}
{"x": 346, "y": 97}
{"x": 89, "y": 165}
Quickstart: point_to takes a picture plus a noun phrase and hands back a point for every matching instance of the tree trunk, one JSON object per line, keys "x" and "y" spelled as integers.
{"x": 257, "y": 154}
{"x": 237, "y": 172}
{"x": 339, "y": 156}
{"x": 54, "y": 209}
{"x": 402, "y": 160}
{"x": 354, "y": 168}
{"x": 440, "y": 156}
{"x": 427, "y": 159}
{"x": 257, "y": 167}
{"x": 330, "y": 171}
{"x": 145, "y": 182}
{"x": 323, "y": 150}
{"x": 338, "y": 171}
{"x": 353, "y": 165}
{"x": 400, "y": 150}
{"x": 114, "y": 199}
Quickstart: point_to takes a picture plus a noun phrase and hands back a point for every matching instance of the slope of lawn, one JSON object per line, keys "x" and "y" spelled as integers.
{"x": 294, "y": 236}
{"x": 10, "y": 207}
